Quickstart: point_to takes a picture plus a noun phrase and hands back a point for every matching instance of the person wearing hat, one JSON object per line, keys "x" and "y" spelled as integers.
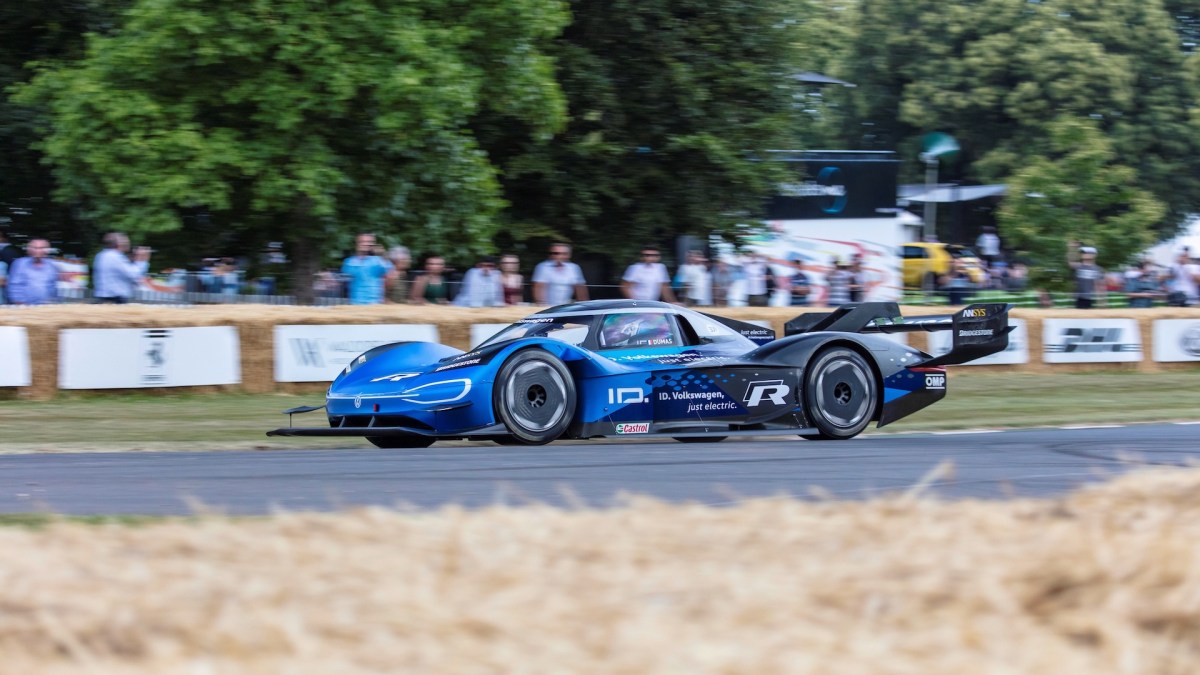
{"x": 481, "y": 287}
{"x": 1090, "y": 288}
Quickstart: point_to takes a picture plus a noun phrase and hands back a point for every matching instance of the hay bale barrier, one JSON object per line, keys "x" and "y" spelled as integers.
{"x": 1106, "y": 580}
{"x": 255, "y": 328}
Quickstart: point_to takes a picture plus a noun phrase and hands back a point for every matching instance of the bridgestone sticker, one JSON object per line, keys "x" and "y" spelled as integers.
{"x": 1016, "y": 353}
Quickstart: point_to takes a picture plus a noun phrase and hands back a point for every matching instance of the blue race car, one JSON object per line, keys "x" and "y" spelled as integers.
{"x": 617, "y": 368}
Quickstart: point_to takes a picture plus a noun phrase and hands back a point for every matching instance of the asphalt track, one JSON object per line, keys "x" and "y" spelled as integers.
{"x": 987, "y": 464}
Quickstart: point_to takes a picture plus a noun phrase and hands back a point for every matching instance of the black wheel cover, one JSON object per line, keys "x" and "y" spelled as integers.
{"x": 395, "y": 442}
{"x": 534, "y": 396}
{"x": 840, "y": 393}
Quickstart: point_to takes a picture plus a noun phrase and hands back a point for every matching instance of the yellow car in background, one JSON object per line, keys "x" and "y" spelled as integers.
{"x": 926, "y": 262}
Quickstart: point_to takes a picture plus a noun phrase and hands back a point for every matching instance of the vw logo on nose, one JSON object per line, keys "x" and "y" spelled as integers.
{"x": 358, "y": 401}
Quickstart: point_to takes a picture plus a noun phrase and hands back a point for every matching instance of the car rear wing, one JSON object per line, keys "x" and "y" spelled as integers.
{"x": 978, "y": 330}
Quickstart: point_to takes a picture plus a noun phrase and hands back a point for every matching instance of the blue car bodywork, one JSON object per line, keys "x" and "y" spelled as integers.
{"x": 629, "y": 368}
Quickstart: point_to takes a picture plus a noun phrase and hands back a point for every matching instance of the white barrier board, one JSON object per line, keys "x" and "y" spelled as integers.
{"x": 1017, "y": 351}
{"x": 306, "y": 353}
{"x": 480, "y": 332}
{"x": 1091, "y": 341}
{"x": 128, "y": 358}
{"x": 1176, "y": 340}
{"x": 14, "y": 357}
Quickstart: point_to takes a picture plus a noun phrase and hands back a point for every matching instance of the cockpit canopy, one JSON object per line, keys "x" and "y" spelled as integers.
{"x": 624, "y": 326}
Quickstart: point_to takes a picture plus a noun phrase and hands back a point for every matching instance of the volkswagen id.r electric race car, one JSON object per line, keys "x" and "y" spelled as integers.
{"x": 614, "y": 368}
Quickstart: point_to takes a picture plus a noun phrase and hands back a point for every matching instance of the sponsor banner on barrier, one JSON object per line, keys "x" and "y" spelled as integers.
{"x": 1091, "y": 340}
{"x": 1176, "y": 340}
{"x": 480, "y": 332}
{"x": 313, "y": 353}
{"x": 1016, "y": 353}
{"x": 14, "y": 357}
{"x": 131, "y": 358}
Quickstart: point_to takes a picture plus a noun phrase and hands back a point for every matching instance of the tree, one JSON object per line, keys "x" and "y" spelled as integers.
{"x": 302, "y": 122}
{"x": 673, "y": 105}
{"x": 995, "y": 73}
{"x": 38, "y": 30}
{"x": 1078, "y": 192}
{"x": 824, "y": 35}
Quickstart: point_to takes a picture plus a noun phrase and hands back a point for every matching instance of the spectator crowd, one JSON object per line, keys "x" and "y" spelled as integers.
{"x": 375, "y": 275}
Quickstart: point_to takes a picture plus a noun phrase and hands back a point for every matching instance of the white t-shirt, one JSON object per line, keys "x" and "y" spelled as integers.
{"x": 560, "y": 280}
{"x": 647, "y": 280}
{"x": 697, "y": 283}
{"x": 756, "y": 277}
{"x": 988, "y": 244}
{"x": 1183, "y": 278}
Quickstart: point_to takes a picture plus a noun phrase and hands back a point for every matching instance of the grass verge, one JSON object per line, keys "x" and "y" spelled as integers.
{"x": 238, "y": 421}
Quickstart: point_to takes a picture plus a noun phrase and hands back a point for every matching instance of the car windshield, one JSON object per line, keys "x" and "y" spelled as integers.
{"x": 641, "y": 329}
{"x": 961, "y": 252}
{"x": 572, "y": 330}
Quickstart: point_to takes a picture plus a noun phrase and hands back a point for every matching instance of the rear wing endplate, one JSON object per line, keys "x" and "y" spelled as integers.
{"x": 978, "y": 330}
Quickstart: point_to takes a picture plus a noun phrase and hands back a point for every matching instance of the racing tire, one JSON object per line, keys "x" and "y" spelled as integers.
{"x": 700, "y": 439}
{"x": 397, "y": 442}
{"x": 840, "y": 394}
{"x": 534, "y": 397}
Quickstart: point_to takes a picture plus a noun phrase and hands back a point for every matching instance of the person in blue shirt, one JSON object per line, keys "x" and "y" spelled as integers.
{"x": 33, "y": 280}
{"x": 366, "y": 272}
{"x": 114, "y": 275}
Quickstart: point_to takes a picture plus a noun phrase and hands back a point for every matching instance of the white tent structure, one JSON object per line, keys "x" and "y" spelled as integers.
{"x": 1166, "y": 252}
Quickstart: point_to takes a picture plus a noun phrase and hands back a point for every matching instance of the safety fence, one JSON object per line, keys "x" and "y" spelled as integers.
{"x": 264, "y": 348}
{"x": 735, "y": 298}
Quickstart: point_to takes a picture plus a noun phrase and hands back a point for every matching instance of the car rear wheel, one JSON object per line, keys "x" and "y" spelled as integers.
{"x": 840, "y": 393}
{"x": 395, "y": 442}
{"x": 534, "y": 397}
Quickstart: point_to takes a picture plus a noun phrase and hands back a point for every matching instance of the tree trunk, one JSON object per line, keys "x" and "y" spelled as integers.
{"x": 306, "y": 263}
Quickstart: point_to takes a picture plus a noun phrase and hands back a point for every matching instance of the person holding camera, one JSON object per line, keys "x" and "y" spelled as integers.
{"x": 1090, "y": 288}
{"x": 114, "y": 275}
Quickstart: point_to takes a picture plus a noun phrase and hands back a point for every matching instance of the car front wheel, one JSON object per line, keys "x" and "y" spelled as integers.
{"x": 840, "y": 393}
{"x": 534, "y": 397}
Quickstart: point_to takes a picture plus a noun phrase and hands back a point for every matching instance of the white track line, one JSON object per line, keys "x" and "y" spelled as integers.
{"x": 1075, "y": 427}
{"x": 965, "y": 432}
{"x": 1186, "y": 424}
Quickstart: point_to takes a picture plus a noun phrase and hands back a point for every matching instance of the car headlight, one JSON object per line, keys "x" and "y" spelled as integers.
{"x": 442, "y": 391}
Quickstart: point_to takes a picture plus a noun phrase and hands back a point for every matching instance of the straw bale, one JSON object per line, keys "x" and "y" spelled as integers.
{"x": 1106, "y": 580}
{"x": 255, "y": 324}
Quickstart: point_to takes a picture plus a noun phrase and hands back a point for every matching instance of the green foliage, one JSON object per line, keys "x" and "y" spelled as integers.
{"x": 38, "y": 30}
{"x": 825, "y": 32}
{"x": 306, "y": 122}
{"x": 996, "y": 73}
{"x": 671, "y": 104}
{"x": 1078, "y": 192}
